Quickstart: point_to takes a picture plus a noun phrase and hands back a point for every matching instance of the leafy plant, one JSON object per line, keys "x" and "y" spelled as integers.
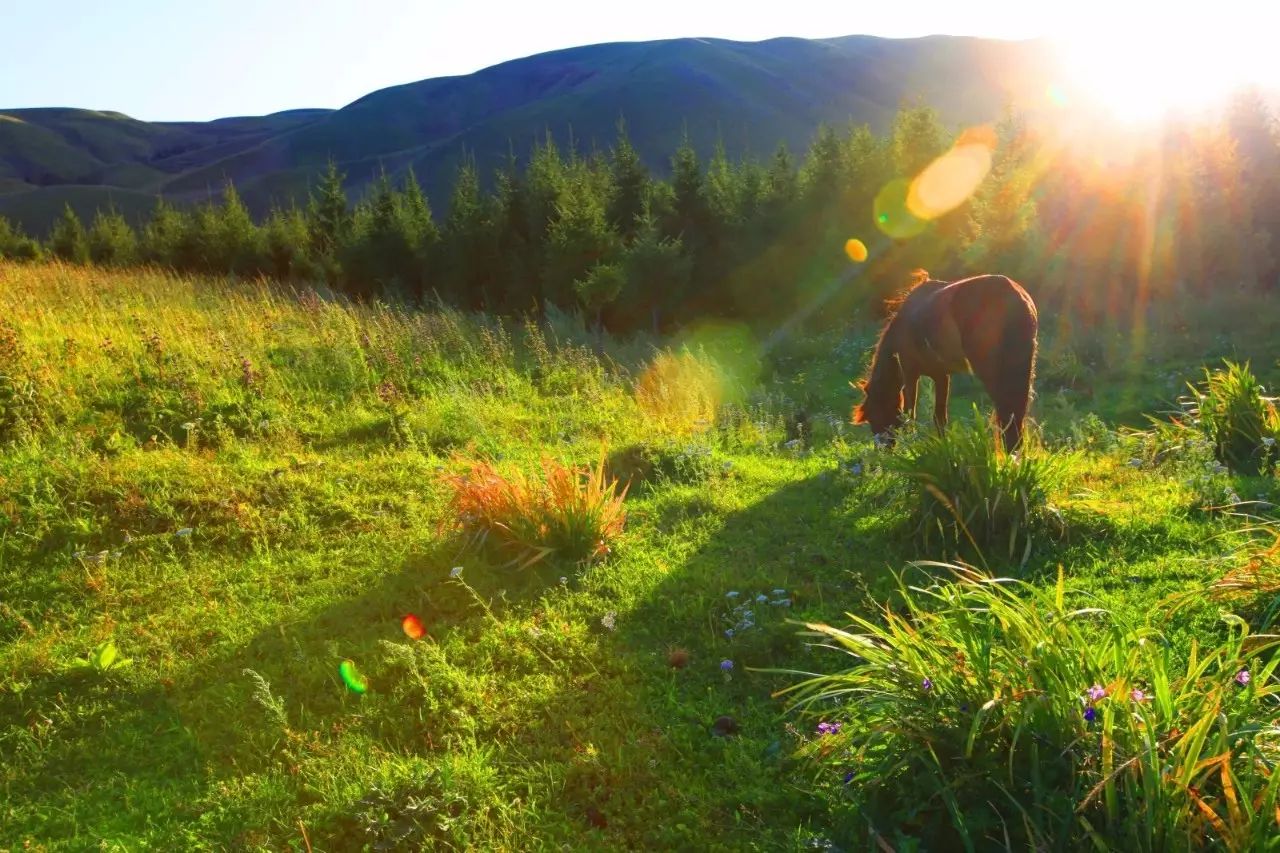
{"x": 971, "y": 492}
{"x": 104, "y": 658}
{"x": 987, "y": 711}
{"x": 1229, "y": 407}
{"x": 572, "y": 512}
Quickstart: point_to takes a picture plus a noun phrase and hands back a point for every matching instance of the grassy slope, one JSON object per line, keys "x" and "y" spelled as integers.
{"x": 523, "y": 721}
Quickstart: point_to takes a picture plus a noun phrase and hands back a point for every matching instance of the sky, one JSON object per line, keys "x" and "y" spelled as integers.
{"x": 182, "y": 60}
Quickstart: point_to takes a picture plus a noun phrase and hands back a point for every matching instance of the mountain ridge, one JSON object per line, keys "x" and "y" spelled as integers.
{"x": 748, "y": 95}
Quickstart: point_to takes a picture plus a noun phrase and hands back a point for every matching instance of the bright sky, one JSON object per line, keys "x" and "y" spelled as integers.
{"x": 184, "y": 60}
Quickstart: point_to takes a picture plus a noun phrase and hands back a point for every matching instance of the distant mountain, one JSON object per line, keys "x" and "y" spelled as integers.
{"x": 749, "y": 95}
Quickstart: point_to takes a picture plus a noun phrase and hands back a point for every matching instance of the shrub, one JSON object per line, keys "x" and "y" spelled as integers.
{"x": 573, "y": 513}
{"x": 1229, "y": 407}
{"x": 988, "y": 712}
{"x": 970, "y": 491}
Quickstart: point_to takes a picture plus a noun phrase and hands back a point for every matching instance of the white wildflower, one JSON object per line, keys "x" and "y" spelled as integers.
{"x": 455, "y": 572}
{"x": 609, "y": 620}
{"x": 184, "y": 532}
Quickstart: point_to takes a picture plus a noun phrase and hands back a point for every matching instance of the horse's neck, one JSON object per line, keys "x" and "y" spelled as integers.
{"x": 886, "y": 370}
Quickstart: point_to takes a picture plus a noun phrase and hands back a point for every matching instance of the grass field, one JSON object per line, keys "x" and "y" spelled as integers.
{"x": 241, "y": 488}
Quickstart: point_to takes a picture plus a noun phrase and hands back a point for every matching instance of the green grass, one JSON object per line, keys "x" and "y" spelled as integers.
{"x": 241, "y": 488}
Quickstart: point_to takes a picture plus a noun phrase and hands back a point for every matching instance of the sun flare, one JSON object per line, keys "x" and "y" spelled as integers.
{"x": 1144, "y": 68}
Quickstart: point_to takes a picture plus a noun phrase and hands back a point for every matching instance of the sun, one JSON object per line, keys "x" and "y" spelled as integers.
{"x": 1143, "y": 68}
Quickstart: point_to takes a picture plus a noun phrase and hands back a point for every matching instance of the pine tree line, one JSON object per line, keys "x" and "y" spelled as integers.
{"x": 745, "y": 238}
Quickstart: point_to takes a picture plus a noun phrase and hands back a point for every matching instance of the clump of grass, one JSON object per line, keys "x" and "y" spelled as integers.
{"x": 572, "y": 512}
{"x": 1230, "y": 408}
{"x": 987, "y": 711}
{"x": 679, "y": 393}
{"x": 971, "y": 493}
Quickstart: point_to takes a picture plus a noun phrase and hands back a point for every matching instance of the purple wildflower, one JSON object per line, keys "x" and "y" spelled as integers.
{"x": 1242, "y": 677}
{"x": 1097, "y": 692}
{"x": 726, "y": 665}
{"x": 825, "y": 728}
{"x": 1090, "y": 714}
{"x": 926, "y": 685}
{"x": 1137, "y": 695}
{"x": 848, "y": 777}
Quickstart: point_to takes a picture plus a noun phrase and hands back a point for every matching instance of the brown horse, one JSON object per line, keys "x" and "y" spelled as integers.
{"x": 984, "y": 325}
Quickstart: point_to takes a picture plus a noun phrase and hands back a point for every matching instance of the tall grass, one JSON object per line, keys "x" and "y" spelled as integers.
{"x": 574, "y": 513}
{"x": 1231, "y": 409}
{"x": 987, "y": 712}
{"x": 973, "y": 496}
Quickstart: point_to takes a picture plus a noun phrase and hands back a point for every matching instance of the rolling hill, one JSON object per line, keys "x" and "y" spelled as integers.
{"x": 749, "y": 95}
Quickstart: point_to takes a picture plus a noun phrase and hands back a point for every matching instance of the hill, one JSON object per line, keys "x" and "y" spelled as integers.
{"x": 749, "y": 95}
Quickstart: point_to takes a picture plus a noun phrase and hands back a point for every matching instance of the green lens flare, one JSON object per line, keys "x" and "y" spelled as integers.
{"x": 352, "y": 677}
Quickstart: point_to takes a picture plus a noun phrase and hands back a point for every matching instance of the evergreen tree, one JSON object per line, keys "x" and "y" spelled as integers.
{"x": 918, "y": 139}
{"x": 112, "y": 242}
{"x": 657, "y": 276}
{"x": 68, "y": 239}
{"x": 579, "y": 237}
{"x": 164, "y": 235}
{"x": 630, "y": 182}
{"x": 240, "y": 245}
{"x": 329, "y": 213}
{"x": 468, "y": 267}
{"x": 15, "y": 245}
{"x": 287, "y": 241}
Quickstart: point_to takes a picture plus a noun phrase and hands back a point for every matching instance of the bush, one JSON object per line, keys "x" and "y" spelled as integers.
{"x": 1229, "y": 407}
{"x": 987, "y": 712}
{"x": 572, "y": 513}
{"x": 971, "y": 492}
{"x": 679, "y": 393}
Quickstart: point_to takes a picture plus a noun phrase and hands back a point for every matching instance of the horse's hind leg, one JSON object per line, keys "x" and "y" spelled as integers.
{"x": 1006, "y": 375}
{"x": 941, "y": 396}
{"x": 910, "y": 387}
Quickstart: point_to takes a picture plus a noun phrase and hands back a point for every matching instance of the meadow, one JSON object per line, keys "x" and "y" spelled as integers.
{"x": 215, "y": 492}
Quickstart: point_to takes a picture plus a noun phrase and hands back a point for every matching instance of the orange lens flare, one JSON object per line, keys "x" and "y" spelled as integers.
{"x": 950, "y": 180}
{"x": 856, "y": 250}
{"x": 413, "y": 627}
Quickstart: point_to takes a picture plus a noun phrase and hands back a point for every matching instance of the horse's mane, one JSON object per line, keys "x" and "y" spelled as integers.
{"x": 894, "y": 302}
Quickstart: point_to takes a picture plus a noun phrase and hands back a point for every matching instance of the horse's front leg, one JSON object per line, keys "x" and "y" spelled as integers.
{"x": 910, "y": 386}
{"x": 941, "y": 392}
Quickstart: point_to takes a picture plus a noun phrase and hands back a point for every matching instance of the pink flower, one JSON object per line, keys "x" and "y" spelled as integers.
{"x": 1242, "y": 677}
{"x": 1137, "y": 695}
{"x": 1097, "y": 692}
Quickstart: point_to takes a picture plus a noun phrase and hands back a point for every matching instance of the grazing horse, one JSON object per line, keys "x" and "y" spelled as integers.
{"x": 984, "y": 325}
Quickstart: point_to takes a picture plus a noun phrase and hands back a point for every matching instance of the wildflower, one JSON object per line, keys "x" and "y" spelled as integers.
{"x": 733, "y": 593}
{"x": 1137, "y": 695}
{"x": 855, "y": 468}
{"x": 726, "y": 665}
{"x": 564, "y": 581}
{"x": 1097, "y": 692}
{"x": 781, "y": 602}
{"x": 1134, "y": 463}
{"x": 926, "y": 685}
{"x": 1090, "y": 714}
{"x": 188, "y": 426}
{"x": 1268, "y": 441}
{"x": 761, "y": 598}
{"x": 1242, "y": 677}
{"x": 609, "y": 620}
{"x": 728, "y": 632}
{"x": 455, "y": 572}
{"x": 825, "y": 728}
{"x": 848, "y": 777}
{"x": 184, "y": 532}
{"x": 779, "y": 592}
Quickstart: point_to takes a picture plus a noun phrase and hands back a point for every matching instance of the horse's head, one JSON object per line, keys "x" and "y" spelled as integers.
{"x": 881, "y": 411}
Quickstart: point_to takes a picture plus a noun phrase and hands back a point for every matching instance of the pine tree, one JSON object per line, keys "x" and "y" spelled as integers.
{"x": 630, "y": 182}
{"x": 15, "y": 245}
{"x": 467, "y": 271}
{"x": 68, "y": 239}
{"x": 287, "y": 242}
{"x": 112, "y": 242}
{"x": 657, "y": 276}
{"x": 579, "y": 237}
{"x": 918, "y": 139}
{"x": 329, "y": 213}
{"x": 241, "y": 248}
{"x": 164, "y": 235}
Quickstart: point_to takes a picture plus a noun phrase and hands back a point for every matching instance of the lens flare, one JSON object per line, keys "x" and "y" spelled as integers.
{"x": 856, "y": 250}
{"x": 413, "y": 627}
{"x": 893, "y": 217}
{"x": 948, "y": 181}
{"x": 352, "y": 677}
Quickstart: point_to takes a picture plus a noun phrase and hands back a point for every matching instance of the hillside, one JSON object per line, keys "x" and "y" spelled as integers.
{"x": 750, "y": 95}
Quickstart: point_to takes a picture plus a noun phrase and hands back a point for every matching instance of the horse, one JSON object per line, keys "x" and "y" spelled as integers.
{"x": 986, "y": 325}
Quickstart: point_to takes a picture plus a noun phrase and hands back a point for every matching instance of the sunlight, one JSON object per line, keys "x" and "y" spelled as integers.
{"x": 1142, "y": 68}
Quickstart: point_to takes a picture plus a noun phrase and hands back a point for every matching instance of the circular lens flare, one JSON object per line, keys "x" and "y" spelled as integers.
{"x": 413, "y": 627}
{"x": 856, "y": 250}
{"x": 351, "y": 677}
{"x": 947, "y": 182}
{"x": 893, "y": 216}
